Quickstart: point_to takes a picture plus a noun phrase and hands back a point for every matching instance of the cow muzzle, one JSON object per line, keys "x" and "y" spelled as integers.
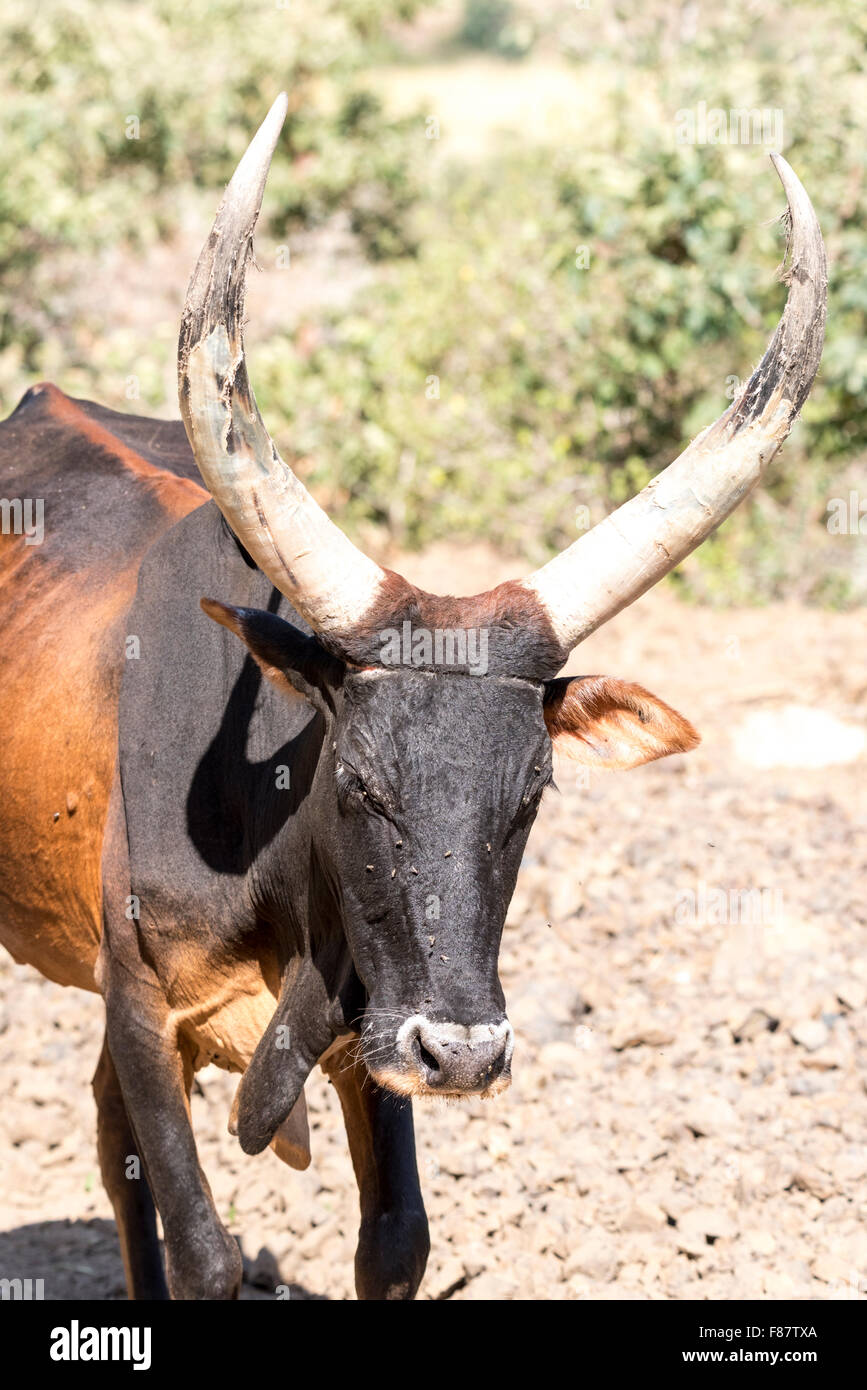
{"x": 449, "y": 1059}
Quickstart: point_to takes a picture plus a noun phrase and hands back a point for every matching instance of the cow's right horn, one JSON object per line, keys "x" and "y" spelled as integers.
{"x": 309, "y": 559}
{"x": 628, "y": 551}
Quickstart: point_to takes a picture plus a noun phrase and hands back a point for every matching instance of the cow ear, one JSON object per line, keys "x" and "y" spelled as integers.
{"x": 294, "y": 662}
{"x": 611, "y": 724}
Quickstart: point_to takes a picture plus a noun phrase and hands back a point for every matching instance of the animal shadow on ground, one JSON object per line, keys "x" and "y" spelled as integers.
{"x": 81, "y": 1260}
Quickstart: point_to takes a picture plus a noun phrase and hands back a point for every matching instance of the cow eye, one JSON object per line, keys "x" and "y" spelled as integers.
{"x": 353, "y": 793}
{"x": 349, "y": 784}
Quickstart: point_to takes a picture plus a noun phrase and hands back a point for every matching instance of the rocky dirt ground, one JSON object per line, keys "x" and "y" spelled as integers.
{"x": 686, "y": 971}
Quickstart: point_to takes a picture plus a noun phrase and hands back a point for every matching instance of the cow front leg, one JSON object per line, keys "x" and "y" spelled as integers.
{"x": 393, "y": 1240}
{"x": 127, "y": 1186}
{"x": 155, "y": 1075}
{"x": 203, "y": 1261}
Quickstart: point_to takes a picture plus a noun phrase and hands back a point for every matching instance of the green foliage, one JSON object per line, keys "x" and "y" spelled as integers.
{"x": 493, "y": 25}
{"x": 110, "y": 111}
{"x": 543, "y": 327}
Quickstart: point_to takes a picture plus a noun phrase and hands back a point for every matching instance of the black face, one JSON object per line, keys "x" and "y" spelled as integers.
{"x": 418, "y": 789}
{"x": 437, "y": 779}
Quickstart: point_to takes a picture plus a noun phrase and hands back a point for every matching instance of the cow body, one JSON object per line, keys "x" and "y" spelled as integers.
{"x": 118, "y": 692}
{"x": 246, "y": 846}
{"x": 105, "y": 613}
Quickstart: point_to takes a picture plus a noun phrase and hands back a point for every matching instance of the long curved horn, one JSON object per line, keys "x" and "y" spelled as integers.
{"x": 616, "y": 562}
{"x": 327, "y": 579}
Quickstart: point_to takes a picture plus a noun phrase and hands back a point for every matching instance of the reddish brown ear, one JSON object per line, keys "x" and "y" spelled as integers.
{"x": 612, "y": 725}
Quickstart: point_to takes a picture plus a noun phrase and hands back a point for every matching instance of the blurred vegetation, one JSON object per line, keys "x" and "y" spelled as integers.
{"x": 547, "y": 324}
{"x": 495, "y": 25}
{"x": 111, "y": 109}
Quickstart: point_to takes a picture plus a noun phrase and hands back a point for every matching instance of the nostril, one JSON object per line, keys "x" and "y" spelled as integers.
{"x": 427, "y": 1058}
{"x": 496, "y": 1067}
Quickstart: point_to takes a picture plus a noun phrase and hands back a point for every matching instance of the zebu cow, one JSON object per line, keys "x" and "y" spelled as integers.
{"x": 234, "y": 829}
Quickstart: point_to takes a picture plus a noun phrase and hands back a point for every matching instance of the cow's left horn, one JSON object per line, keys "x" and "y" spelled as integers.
{"x": 636, "y": 545}
{"x": 326, "y": 578}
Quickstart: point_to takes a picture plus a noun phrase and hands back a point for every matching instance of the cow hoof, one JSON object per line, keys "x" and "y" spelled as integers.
{"x": 206, "y": 1270}
{"x": 392, "y": 1255}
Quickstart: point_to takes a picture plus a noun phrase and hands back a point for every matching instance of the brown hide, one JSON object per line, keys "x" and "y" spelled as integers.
{"x": 62, "y": 649}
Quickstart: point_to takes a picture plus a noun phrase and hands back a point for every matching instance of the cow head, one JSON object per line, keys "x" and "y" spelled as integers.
{"x": 441, "y": 714}
{"x": 428, "y": 783}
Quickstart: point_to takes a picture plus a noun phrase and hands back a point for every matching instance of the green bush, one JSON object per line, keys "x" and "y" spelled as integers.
{"x": 113, "y": 112}
{"x": 495, "y": 26}
{"x": 484, "y": 22}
